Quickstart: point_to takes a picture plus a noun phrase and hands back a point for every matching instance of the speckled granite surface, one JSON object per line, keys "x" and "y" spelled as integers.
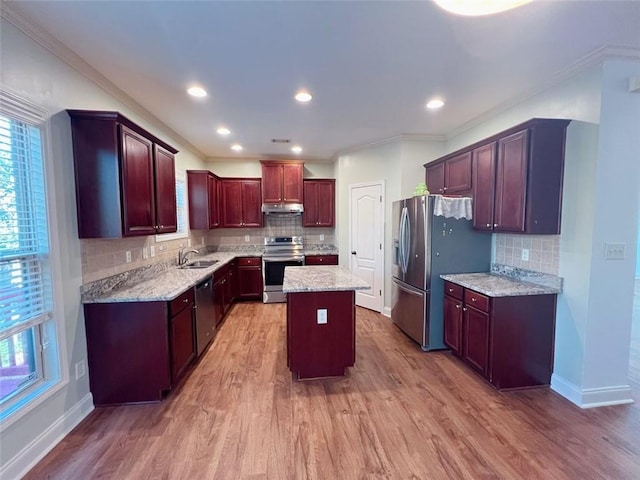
{"x": 499, "y": 285}
{"x": 320, "y": 250}
{"x": 322, "y": 278}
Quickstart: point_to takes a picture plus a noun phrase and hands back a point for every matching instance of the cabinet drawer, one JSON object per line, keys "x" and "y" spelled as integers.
{"x": 178, "y": 304}
{"x": 476, "y": 300}
{"x": 321, "y": 260}
{"x": 453, "y": 290}
{"x": 249, "y": 261}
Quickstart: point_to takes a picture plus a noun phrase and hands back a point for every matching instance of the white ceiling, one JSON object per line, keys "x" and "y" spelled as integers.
{"x": 371, "y": 66}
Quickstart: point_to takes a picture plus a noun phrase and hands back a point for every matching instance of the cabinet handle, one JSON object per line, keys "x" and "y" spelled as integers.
{"x": 495, "y": 225}
{"x": 457, "y": 306}
{"x": 161, "y": 226}
{"x": 185, "y": 300}
{"x": 473, "y": 299}
{"x": 451, "y": 290}
{"x": 444, "y": 189}
{"x": 489, "y": 225}
{"x": 464, "y": 309}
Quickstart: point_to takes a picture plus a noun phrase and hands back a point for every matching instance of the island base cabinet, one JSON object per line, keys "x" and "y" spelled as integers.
{"x": 128, "y": 352}
{"x": 320, "y": 350}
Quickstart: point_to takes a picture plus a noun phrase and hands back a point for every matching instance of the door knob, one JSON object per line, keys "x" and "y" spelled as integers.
{"x": 353, "y": 253}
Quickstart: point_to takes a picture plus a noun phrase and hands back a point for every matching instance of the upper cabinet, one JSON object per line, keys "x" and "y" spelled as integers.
{"x": 125, "y": 177}
{"x": 450, "y": 175}
{"x": 203, "y": 193}
{"x": 282, "y": 181}
{"x": 518, "y": 179}
{"x": 319, "y": 203}
{"x": 241, "y": 202}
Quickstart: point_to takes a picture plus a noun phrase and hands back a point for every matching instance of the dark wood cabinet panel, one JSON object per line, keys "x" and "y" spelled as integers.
{"x": 204, "y": 211}
{"x": 123, "y": 176}
{"x": 282, "y": 181}
{"x": 241, "y": 202}
{"x": 183, "y": 347}
{"x": 457, "y": 174}
{"x": 165, "y": 190}
{"x": 435, "y": 178}
{"x": 476, "y": 339}
{"x": 249, "y": 277}
{"x": 319, "y": 203}
{"x": 321, "y": 260}
{"x": 484, "y": 180}
{"x": 452, "y": 310}
{"x": 511, "y": 183}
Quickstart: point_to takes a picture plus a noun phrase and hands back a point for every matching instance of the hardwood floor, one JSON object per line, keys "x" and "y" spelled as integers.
{"x": 398, "y": 414}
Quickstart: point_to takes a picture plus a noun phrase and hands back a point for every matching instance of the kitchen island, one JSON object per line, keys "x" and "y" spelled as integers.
{"x": 321, "y": 327}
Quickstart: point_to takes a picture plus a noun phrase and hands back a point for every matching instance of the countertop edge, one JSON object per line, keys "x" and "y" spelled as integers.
{"x": 529, "y": 287}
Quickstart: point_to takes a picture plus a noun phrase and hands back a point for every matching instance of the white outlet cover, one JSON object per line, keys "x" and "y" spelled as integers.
{"x": 525, "y": 254}
{"x": 188, "y": 242}
{"x": 247, "y": 238}
{"x": 152, "y": 250}
{"x": 614, "y": 251}
{"x": 321, "y": 237}
{"x": 145, "y": 253}
{"x": 322, "y": 316}
{"x": 127, "y": 255}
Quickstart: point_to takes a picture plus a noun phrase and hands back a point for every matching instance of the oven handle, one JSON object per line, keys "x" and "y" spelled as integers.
{"x": 283, "y": 259}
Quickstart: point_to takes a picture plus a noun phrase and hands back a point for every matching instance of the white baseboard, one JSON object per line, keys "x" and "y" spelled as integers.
{"x": 24, "y": 461}
{"x": 591, "y": 397}
{"x": 386, "y": 311}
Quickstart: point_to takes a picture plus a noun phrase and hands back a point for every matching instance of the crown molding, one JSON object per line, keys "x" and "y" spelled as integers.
{"x": 591, "y": 60}
{"x": 60, "y": 50}
{"x": 404, "y": 137}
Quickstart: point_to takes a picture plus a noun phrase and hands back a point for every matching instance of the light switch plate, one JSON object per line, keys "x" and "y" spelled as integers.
{"x": 525, "y": 254}
{"x": 145, "y": 253}
{"x": 321, "y": 237}
{"x": 127, "y": 256}
{"x": 614, "y": 251}
{"x": 247, "y": 238}
{"x": 152, "y": 250}
{"x": 322, "y": 316}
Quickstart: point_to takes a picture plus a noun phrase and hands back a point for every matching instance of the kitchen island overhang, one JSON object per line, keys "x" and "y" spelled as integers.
{"x": 320, "y": 320}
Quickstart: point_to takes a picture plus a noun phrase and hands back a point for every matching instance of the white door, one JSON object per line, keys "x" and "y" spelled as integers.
{"x": 366, "y": 241}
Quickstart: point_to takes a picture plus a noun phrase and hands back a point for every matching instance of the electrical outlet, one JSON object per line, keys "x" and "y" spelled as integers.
{"x": 321, "y": 237}
{"x": 188, "y": 242}
{"x": 322, "y": 316}
{"x": 81, "y": 369}
{"x": 525, "y": 254}
{"x": 145, "y": 253}
{"x": 247, "y": 238}
{"x": 127, "y": 256}
{"x": 614, "y": 251}
{"x": 152, "y": 250}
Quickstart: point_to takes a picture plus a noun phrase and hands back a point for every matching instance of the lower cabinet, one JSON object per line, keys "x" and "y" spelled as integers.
{"x": 508, "y": 340}
{"x": 321, "y": 260}
{"x": 249, "y": 278}
{"x": 120, "y": 370}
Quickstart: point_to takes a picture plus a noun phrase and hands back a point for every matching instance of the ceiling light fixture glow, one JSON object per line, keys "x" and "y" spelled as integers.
{"x": 476, "y": 8}
{"x": 197, "y": 92}
{"x": 303, "y": 96}
{"x": 296, "y": 149}
{"x": 435, "y": 103}
{"x": 223, "y": 131}
{"x": 236, "y": 147}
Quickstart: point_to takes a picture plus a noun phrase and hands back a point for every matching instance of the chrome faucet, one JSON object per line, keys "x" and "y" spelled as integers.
{"x": 182, "y": 255}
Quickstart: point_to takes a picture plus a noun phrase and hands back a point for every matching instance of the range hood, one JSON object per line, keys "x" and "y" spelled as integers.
{"x": 282, "y": 208}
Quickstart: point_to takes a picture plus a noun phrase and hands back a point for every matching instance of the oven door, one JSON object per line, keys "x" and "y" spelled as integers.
{"x": 273, "y": 271}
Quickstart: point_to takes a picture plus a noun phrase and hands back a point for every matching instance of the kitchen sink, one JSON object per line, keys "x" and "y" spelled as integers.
{"x": 200, "y": 264}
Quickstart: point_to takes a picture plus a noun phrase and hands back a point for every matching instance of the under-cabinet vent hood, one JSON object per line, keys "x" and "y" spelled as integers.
{"x": 282, "y": 208}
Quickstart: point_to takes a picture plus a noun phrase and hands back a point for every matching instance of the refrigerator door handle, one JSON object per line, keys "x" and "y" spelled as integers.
{"x": 401, "y": 239}
{"x": 406, "y": 239}
{"x": 408, "y": 289}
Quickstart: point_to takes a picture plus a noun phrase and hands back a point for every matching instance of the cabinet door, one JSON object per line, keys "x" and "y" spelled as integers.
{"x": 457, "y": 173}
{"x": 292, "y": 182}
{"x": 511, "y": 183}
{"x": 435, "y": 178}
{"x": 138, "y": 203}
{"x": 182, "y": 342}
{"x": 483, "y": 186}
{"x": 218, "y": 300}
{"x": 476, "y": 339}
{"x": 310, "y": 214}
{"x": 326, "y": 203}
{"x": 453, "y": 324}
{"x": 250, "y": 282}
{"x": 231, "y": 203}
{"x": 214, "y": 203}
{"x": 251, "y": 203}
{"x": 165, "y": 181}
{"x": 321, "y": 260}
{"x": 272, "y": 182}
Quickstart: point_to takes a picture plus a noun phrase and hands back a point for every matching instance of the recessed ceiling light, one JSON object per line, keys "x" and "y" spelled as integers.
{"x": 435, "y": 103}
{"x": 197, "y": 92}
{"x": 296, "y": 149}
{"x": 236, "y": 147}
{"x": 479, "y": 7}
{"x": 223, "y": 131}
{"x": 303, "y": 96}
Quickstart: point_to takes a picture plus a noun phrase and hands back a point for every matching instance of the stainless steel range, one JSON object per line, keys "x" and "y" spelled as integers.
{"x": 279, "y": 252}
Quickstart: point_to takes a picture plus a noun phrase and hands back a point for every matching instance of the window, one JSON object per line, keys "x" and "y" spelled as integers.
{"x": 28, "y": 350}
{"x": 181, "y": 210}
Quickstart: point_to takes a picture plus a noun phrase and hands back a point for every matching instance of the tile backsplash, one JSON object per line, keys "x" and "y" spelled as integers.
{"x": 543, "y": 252}
{"x": 103, "y": 258}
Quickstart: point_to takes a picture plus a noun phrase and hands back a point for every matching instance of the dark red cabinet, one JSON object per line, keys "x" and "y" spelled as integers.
{"x": 452, "y": 309}
{"x": 319, "y": 203}
{"x": 241, "y": 202}
{"x": 182, "y": 337}
{"x": 511, "y": 183}
{"x": 476, "y": 339}
{"x": 484, "y": 180}
{"x": 282, "y": 181}
{"x": 125, "y": 177}
{"x": 321, "y": 260}
{"x": 450, "y": 176}
{"x": 204, "y": 204}
{"x": 249, "y": 278}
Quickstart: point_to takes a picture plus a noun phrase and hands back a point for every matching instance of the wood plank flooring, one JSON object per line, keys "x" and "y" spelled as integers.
{"x": 398, "y": 414}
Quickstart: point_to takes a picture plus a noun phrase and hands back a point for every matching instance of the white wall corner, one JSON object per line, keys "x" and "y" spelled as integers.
{"x": 591, "y": 397}
{"x": 386, "y": 311}
{"x": 30, "y": 455}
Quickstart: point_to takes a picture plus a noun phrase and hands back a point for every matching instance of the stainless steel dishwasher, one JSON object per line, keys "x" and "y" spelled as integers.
{"x": 205, "y": 315}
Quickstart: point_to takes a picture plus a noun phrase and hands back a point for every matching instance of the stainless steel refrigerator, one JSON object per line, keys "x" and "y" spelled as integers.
{"x": 424, "y": 247}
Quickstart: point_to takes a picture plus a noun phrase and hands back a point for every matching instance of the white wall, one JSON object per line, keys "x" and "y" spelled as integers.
{"x": 35, "y": 74}
{"x": 414, "y": 155}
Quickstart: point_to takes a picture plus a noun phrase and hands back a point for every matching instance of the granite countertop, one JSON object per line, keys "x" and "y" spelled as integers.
{"x": 496, "y": 285}
{"x": 322, "y": 278}
{"x": 320, "y": 250}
